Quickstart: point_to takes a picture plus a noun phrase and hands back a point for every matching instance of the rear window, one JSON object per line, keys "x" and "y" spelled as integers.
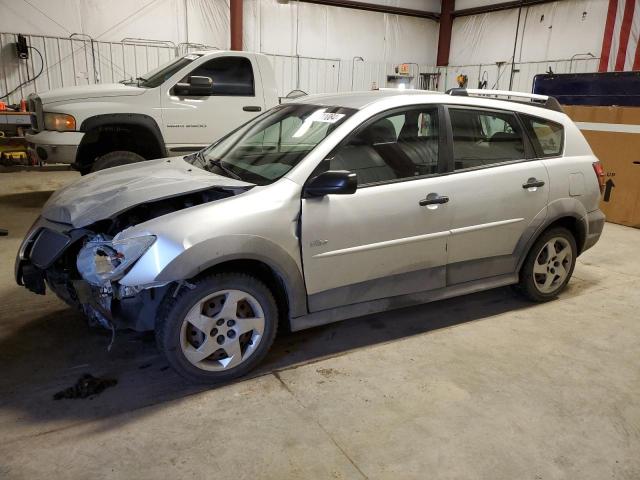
{"x": 547, "y": 136}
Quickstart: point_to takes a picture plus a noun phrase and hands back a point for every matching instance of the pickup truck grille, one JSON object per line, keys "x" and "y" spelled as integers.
{"x": 34, "y": 105}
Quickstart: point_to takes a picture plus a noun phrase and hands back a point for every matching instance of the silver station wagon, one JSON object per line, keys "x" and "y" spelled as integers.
{"x": 322, "y": 209}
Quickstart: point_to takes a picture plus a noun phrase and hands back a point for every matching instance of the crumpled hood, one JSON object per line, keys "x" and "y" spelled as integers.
{"x": 90, "y": 91}
{"x": 103, "y": 194}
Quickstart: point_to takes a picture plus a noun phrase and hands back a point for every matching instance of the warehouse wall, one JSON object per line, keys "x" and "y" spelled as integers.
{"x": 311, "y": 46}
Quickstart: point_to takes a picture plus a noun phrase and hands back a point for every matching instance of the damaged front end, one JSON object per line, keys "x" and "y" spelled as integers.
{"x": 83, "y": 266}
{"x": 101, "y": 262}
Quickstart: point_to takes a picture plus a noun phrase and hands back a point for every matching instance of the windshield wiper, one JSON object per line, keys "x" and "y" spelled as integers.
{"x": 218, "y": 163}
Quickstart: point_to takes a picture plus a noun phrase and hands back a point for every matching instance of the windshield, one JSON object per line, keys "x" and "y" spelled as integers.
{"x": 157, "y": 76}
{"x": 266, "y": 148}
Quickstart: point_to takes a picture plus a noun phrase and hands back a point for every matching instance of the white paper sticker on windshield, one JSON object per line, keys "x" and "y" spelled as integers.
{"x": 327, "y": 117}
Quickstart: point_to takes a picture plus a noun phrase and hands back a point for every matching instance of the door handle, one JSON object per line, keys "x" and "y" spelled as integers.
{"x": 533, "y": 183}
{"x": 433, "y": 199}
{"x": 252, "y": 108}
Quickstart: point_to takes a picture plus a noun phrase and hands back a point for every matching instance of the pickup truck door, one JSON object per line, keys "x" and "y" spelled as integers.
{"x": 192, "y": 122}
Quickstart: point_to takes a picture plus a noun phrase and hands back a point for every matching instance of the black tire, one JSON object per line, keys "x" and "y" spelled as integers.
{"x": 172, "y": 313}
{"x": 115, "y": 159}
{"x": 528, "y": 285}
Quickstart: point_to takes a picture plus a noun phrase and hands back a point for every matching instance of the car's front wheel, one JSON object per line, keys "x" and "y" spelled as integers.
{"x": 219, "y": 329}
{"x": 549, "y": 265}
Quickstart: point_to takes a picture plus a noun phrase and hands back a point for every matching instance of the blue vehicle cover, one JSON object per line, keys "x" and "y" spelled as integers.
{"x": 601, "y": 89}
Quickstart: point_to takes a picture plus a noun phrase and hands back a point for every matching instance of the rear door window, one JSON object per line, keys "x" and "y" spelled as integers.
{"x": 482, "y": 138}
{"x": 547, "y": 136}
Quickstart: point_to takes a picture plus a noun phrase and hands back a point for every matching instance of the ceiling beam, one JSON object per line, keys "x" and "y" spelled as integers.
{"x": 496, "y": 7}
{"x": 373, "y": 7}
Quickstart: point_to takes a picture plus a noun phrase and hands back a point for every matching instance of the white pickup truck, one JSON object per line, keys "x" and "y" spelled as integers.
{"x": 175, "y": 109}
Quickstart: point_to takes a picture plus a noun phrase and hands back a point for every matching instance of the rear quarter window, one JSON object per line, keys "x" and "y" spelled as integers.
{"x": 547, "y": 136}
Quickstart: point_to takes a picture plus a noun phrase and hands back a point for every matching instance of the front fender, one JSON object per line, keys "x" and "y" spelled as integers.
{"x": 164, "y": 262}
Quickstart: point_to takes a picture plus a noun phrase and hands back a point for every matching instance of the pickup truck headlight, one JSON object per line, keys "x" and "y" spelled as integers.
{"x": 102, "y": 261}
{"x": 60, "y": 122}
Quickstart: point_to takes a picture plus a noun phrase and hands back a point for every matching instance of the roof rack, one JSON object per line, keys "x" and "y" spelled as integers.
{"x": 533, "y": 99}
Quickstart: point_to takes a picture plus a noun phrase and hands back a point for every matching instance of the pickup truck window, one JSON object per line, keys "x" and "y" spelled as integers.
{"x": 158, "y": 76}
{"x": 231, "y": 76}
{"x": 267, "y": 147}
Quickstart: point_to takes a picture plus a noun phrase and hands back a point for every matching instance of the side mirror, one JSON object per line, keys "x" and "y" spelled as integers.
{"x": 195, "y": 86}
{"x": 333, "y": 182}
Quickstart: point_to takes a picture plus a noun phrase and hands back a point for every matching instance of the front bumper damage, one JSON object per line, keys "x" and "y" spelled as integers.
{"x": 46, "y": 258}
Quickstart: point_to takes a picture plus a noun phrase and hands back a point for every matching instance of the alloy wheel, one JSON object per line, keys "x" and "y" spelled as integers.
{"x": 222, "y": 330}
{"x": 552, "y": 265}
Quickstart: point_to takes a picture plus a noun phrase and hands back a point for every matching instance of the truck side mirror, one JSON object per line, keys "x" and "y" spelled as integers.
{"x": 194, "y": 86}
{"x": 333, "y": 182}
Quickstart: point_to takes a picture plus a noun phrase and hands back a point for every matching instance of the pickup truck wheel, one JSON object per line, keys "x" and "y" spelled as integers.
{"x": 115, "y": 159}
{"x": 219, "y": 329}
{"x": 549, "y": 265}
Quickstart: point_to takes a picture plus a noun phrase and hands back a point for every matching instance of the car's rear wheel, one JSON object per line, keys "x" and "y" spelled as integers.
{"x": 115, "y": 159}
{"x": 218, "y": 330}
{"x": 549, "y": 265}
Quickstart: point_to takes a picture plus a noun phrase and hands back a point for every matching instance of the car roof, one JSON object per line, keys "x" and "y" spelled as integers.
{"x": 390, "y": 97}
{"x": 358, "y": 100}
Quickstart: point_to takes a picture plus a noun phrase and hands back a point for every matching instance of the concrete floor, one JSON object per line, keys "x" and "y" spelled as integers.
{"x": 485, "y": 386}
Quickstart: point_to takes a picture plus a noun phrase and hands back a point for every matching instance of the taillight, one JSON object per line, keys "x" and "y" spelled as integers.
{"x": 597, "y": 167}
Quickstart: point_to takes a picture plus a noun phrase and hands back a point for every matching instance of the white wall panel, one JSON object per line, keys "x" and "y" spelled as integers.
{"x": 356, "y": 33}
{"x": 208, "y": 23}
{"x": 561, "y": 30}
{"x": 277, "y": 29}
{"x": 549, "y": 31}
{"x": 485, "y": 38}
{"x": 114, "y": 20}
{"x": 410, "y": 39}
{"x": 48, "y": 17}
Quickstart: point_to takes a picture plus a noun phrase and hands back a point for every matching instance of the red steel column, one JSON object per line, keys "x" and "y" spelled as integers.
{"x": 236, "y": 24}
{"x": 444, "y": 38}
